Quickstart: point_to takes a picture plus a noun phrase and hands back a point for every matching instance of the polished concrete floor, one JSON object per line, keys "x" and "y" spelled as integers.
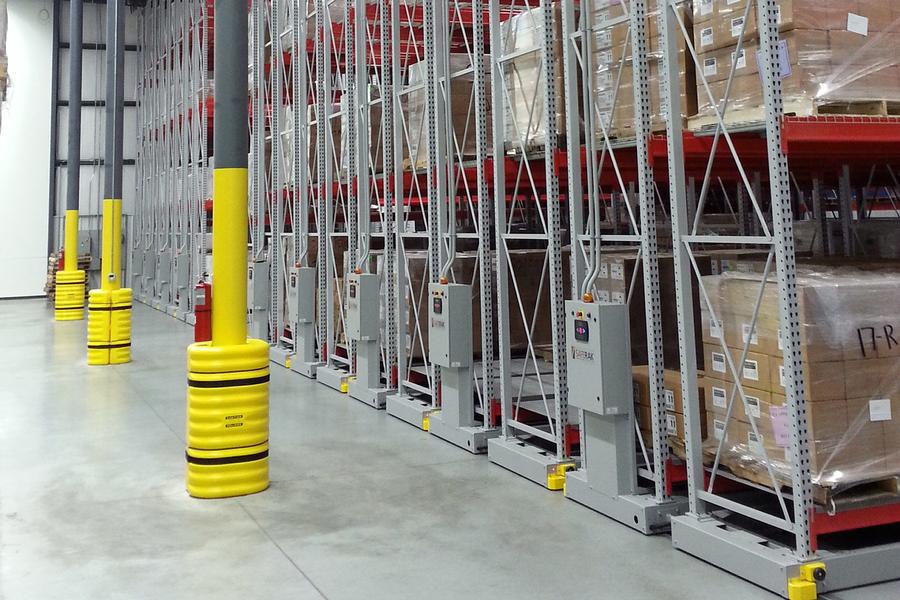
{"x": 361, "y": 505}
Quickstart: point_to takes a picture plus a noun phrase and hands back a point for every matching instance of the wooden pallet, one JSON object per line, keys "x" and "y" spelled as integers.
{"x": 822, "y": 495}
{"x": 544, "y": 352}
{"x": 799, "y": 108}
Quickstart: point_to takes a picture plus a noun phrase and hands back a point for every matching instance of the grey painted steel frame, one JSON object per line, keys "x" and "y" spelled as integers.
{"x": 509, "y": 450}
{"x": 701, "y": 532}
{"x": 411, "y": 404}
{"x": 648, "y": 511}
{"x": 474, "y": 438}
{"x": 303, "y": 66}
{"x": 333, "y": 373}
{"x": 169, "y": 224}
{"x": 358, "y": 109}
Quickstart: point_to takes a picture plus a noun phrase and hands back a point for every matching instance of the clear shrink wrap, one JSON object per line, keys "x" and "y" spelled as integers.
{"x": 524, "y": 75}
{"x": 850, "y": 347}
{"x": 835, "y": 56}
{"x": 612, "y": 82}
{"x": 461, "y": 110}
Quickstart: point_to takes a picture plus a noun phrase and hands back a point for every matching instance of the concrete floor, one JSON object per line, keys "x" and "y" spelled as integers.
{"x": 361, "y": 505}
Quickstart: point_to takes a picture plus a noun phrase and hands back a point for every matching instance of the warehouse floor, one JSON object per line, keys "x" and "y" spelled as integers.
{"x": 361, "y": 505}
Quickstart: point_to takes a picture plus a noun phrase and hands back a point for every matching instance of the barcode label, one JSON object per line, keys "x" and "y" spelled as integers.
{"x": 719, "y": 398}
{"x": 751, "y": 370}
{"x": 706, "y": 37}
{"x": 710, "y": 68}
{"x": 753, "y": 406}
{"x": 749, "y": 334}
{"x": 718, "y": 360}
{"x": 671, "y": 425}
{"x": 755, "y": 443}
{"x": 670, "y": 399}
{"x": 719, "y": 429}
{"x": 737, "y": 26}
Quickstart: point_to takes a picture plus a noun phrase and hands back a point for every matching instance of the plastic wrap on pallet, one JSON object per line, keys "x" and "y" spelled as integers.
{"x": 524, "y": 76}
{"x": 850, "y": 346}
{"x": 461, "y": 110}
{"x": 612, "y": 82}
{"x": 835, "y": 56}
{"x": 337, "y": 151}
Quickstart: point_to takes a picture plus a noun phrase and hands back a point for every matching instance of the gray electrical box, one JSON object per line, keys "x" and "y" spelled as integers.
{"x": 302, "y": 294}
{"x": 363, "y": 306}
{"x": 450, "y": 324}
{"x": 598, "y": 356}
{"x": 258, "y": 278}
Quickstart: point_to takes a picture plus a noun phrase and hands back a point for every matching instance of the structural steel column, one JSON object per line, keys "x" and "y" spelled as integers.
{"x": 109, "y": 308}
{"x": 70, "y": 281}
{"x": 228, "y": 378}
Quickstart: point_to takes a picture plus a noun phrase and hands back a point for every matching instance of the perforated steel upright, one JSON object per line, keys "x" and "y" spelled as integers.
{"x": 466, "y": 416}
{"x": 642, "y": 499}
{"x": 749, "y": 551}
{"x": 169, "y": 246}
{"x": 539, "y": 450}
{"x": 413, "y": 47}
{"x": 333, "y": 63}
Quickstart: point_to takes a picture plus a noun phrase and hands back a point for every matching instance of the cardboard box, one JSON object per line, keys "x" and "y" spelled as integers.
{"x": 524, "y": 75}
{"x": 805, "y": 48}
{"x": 674, "y": 399}
{"x": 719, "y": 393}
{"x": 823, "y": 381}
{"x": 755, "y": 372}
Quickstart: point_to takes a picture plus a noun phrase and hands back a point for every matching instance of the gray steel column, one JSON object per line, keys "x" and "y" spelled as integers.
{"x": 73, "y": 155}
{"x": 52, "y": 242}
{"x": 230, "y": 141}
{"x": 115, "y": 98}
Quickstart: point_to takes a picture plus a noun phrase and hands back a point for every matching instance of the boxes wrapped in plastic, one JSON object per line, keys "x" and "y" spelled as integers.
{"x": 526, "y": 125}
{"x": 850, "y": 346}
{"x": 612, "y": 81}
{"x": 832, "y": 54}
{"x": 461, "y": 111}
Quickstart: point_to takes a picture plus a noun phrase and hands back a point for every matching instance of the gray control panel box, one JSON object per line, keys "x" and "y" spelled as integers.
{"x": 363, "y": 306}
{"x": 301, "y": 294}
{"x": 258, "y": 283}
{"x": 598, "y": 356}
{"x": 450, "y": 324}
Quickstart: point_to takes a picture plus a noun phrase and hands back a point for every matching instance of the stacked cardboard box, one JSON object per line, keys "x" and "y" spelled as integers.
{"x": 526, "y": 125}
{"x": 831, "y": 52}
{"x": 617, "y": 272}
{"x": 674, "y": 400}
{"x": 850, "y": 361}
{"x": 613, "y": 81}
{"x": 528, "y": 265}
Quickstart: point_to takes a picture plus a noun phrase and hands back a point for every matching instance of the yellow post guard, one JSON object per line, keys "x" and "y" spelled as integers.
{"x": 70, "y": 282}
{"x": 227, "y": 419}
{"x": 109, "y": 308}
{"x": 229, "y": 310}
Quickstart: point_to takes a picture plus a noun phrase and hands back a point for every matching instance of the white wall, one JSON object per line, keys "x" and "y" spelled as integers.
{"x": 25, "y": 150}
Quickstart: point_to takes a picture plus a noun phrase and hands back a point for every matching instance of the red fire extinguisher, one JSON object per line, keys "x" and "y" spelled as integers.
{"x": 202, "y": 312}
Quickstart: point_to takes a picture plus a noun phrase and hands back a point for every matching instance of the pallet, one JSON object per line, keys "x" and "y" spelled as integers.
{"x": 886, "y": 488}
{"x": 756, "y": 116}
{"x": 544, "y": 352}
